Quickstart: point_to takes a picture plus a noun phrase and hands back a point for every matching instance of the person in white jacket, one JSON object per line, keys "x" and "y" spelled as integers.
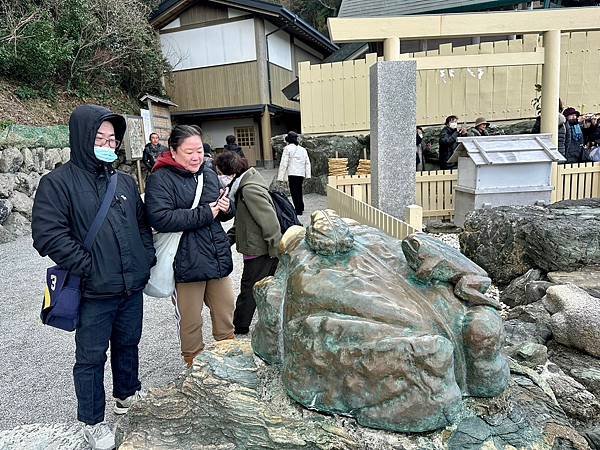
{"x": 294, "y": 164}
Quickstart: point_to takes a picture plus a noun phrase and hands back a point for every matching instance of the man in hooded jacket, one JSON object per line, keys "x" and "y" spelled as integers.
{"x": 113, "y": 273}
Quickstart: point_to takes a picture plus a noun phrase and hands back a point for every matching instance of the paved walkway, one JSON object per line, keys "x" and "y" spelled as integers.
{"x": 36, "y": 361}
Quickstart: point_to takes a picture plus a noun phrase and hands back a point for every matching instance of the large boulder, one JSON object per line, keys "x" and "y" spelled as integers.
{"x": 526, "y": 289}
{"x": 39, "y": 159}
{"x": 507, "y": 241}
{"x": 575, "y": 400}
{"x": 578, "y": 365}
{"x": 11, "y": 160}
{"x": 586, "y": 278}
{"x": 575, "y": 318}
{"x": 527, "y": 324}
{"x": 7, "y": 184}
{"x": 16, "y": 226}
{"x": 22, "y": 203}
{"x": 218, "y": 405}
{"x": 5, "y": 210}
{"x": 230, "y": 400}
{"x": 52, "y": 158}
{"x": 353, "y": 315}
{"x": 27, "y": 183}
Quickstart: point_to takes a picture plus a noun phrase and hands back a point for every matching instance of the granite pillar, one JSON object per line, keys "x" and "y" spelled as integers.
{"x": 393, "y": 135}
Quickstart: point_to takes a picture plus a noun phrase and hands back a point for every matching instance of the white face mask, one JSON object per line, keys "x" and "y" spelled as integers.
{"x": 225, "y": 179}
{"x": 453, "y": 125}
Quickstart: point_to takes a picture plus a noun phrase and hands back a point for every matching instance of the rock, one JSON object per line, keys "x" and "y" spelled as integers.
{"x": 28, "y": 163}
{"x": 39, "y": 159}
{"x": 52, "y": 158}
{"x": 439, "y": 227}
{"x": 353, "y": 313}
{"x": 573, "y": 398}
{"x": 592, "y": 436}
{"x": 7, "y": 184}
{"x": 5, "y": 210}
{"x": 17, "y": 225}
{"x": 528, "y": 323}
{"x": 507, "y": 241}
{"x": 44, "y": 436}
{"x": 587, "y": 278}
{"x": 65, "y": 155}
{"x": 229, "y": 400}
{"x": 515, "y": 293}
{"x": 27, "y": 183}
{"x": 22, "y": 204}
{"x": 575, "y": 318}
{"x": 578, "y": 365}
{"x": 11, "y": 160}
{"x": 217, "y": 404}
{"x": 523, "y": 417}
{"x": 529, "y": 354}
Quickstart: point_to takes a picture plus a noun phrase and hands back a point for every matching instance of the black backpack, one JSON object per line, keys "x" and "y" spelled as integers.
{"x": 286, "y": 214}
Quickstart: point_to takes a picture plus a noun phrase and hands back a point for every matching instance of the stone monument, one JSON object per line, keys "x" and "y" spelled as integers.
{"x": 393, "y": 135}
{"x": 391, "y": 332}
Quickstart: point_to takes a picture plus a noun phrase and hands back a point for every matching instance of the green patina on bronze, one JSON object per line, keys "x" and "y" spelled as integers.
{"x": 359, "y": 330}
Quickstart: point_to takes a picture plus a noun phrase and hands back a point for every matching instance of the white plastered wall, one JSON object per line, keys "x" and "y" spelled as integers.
{"x": 216, "y": 45}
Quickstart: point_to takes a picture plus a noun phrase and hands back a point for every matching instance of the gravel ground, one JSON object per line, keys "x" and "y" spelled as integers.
{"x": 36, "y": 361}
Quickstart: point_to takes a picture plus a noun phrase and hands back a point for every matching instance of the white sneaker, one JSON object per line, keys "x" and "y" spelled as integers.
{"x": 122, "y": 406}
{"x": 99, "y": 436}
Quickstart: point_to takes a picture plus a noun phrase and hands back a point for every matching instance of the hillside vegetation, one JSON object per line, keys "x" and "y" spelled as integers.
{"x": 55, "y": 54}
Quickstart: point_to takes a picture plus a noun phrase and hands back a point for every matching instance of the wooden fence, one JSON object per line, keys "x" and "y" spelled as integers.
{"x": 347, "y": 206}
{"x": 435, "y": 189}
{"x": 334, "y": 98}
{"x": 577, "y": 181}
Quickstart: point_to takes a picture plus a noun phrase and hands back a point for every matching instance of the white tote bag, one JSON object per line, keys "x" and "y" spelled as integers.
{"x": 162, "y": 276}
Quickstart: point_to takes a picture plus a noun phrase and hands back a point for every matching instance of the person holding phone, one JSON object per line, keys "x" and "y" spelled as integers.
{"x": 203, "y": 261}
{"x": 256, "y": 231}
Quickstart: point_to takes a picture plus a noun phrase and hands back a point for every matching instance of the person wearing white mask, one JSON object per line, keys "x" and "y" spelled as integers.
{"x": 449, "y": 140}
{"x": 295, "y": 165}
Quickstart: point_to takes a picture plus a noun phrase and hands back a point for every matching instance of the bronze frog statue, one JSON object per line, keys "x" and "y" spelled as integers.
{"x": 432, "y": 260}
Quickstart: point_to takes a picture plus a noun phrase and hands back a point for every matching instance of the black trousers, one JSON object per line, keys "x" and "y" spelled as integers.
{"x": 295, "y": 183}
{"x": 117, "y": 321}
{"x": 254, "y": 270}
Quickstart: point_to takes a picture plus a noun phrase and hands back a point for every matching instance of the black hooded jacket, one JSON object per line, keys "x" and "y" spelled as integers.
{"x": 204, "y": 251}
{"x": 67, "y": 201}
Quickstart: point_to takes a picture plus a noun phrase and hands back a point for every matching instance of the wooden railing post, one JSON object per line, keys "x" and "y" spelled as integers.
{"x": 414, "y": 216}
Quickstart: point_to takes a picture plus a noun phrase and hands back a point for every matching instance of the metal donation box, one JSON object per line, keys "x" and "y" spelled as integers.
{"x": 503, "y": 170}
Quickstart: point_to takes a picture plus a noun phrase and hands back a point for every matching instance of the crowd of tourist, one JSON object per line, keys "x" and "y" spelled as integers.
{"x": 94, "y": 225}
{"x": 578, "y": 137}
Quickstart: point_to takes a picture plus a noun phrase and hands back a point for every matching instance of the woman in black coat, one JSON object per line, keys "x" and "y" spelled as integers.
{"x": 203, "y": 260}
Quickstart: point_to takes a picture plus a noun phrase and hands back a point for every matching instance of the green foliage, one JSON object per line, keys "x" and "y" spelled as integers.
{"x": 80, "y": 43}
{"x": 26, "y": 92}
{"x": 314, "y": 12}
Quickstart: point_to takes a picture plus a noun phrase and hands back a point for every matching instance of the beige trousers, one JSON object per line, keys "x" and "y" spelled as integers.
{"x": 189, "y": 299}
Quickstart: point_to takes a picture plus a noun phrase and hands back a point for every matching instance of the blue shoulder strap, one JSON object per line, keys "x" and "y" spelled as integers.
{"x": 102, "y": 212}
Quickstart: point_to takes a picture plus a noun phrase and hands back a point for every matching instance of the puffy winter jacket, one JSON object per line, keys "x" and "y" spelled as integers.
{"x": 204, "y": 251}
{"x": 66, "y": 203}
{"x": 448, "y": 143}
{"x": 295, "y": 162}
